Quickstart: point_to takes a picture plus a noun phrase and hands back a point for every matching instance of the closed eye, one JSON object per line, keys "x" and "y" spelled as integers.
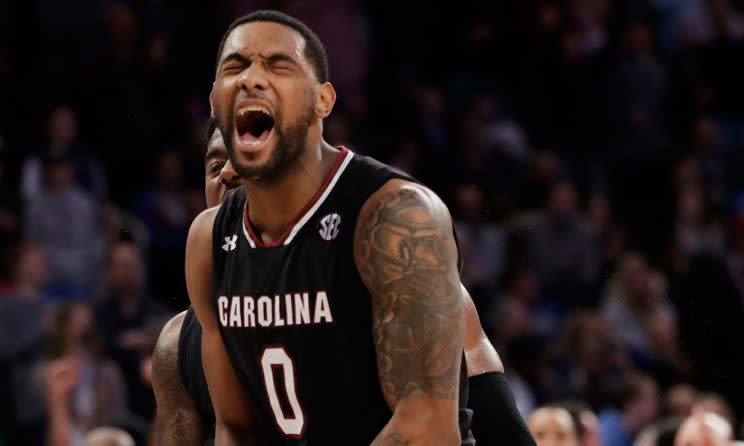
{"x": 281, "y": 62}
{"x": 232, "y": 67}
{"x": 215, "y": 168}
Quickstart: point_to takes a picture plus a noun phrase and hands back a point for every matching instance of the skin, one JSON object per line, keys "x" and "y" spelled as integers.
{"x": 255, "y": 77}
{"x": 552, "y": 426}
{"x": 704, "y": 429}
{"x": 423, "y": 397}
{"x": 405, "y": 253}
{"x": 177, "y": 421}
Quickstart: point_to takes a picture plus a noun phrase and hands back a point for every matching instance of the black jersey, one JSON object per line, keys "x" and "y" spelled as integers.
{"x": 296, "y": 317}
{"x": 190, "y": 367}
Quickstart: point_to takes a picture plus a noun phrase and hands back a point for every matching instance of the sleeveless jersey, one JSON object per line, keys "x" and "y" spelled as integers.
{"x": 296, "y": 317}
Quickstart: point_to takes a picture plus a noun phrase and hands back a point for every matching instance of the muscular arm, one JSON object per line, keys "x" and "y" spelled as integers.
{"x": 406, "y": 256}
{"x": 177, "y": 421}
{"x": 235, "y": 423}
{"x": 496, "y": 419}
{"x": 480, "y": 355}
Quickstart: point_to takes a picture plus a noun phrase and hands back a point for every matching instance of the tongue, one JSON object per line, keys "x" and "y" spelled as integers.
{"x": 247, "y": 137}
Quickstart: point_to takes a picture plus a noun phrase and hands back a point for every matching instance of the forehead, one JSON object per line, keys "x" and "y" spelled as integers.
{"x": 552, "y": 418}
{"x": 264, "y": 38}
{"x": 216, "y": 143}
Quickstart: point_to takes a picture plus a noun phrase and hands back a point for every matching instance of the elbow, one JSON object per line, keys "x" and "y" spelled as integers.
{"x": 422, "y": 427}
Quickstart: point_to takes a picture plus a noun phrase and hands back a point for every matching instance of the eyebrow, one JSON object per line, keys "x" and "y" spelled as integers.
{"x": 237, "y": 57}
{"x": 246, "y": 60}
{"x": 281, "y": 57}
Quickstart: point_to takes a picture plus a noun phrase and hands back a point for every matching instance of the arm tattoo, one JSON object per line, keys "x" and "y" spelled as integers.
{"x": 406, "y": 255}
{"x": 177, "y": 422}
{"x": 391, "y": 439}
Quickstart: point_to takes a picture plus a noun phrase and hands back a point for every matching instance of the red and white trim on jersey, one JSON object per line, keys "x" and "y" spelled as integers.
{"x": 307, "y": 212}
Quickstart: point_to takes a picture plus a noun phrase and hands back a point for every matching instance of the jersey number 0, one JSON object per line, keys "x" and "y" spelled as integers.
{"x": 277, "y": 357}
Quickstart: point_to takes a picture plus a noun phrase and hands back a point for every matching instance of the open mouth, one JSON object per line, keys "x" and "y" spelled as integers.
{"x": 253, "y": 125}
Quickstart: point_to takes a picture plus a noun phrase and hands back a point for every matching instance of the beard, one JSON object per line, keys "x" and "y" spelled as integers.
{"x": 290, "y": 141}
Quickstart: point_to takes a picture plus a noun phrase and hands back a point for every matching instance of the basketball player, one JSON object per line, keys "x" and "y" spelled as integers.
{"x": 185, "y": 414}
{"x": 482, "y": 362}
{"x": 331, "y": 298}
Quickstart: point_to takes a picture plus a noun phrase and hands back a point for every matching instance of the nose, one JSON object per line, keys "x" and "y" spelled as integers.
{"x": 253, "y": 78}
{"x": 229, "y": 176}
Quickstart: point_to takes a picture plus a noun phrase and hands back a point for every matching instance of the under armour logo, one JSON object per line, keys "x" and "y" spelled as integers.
{"x": 329, "y": 226}
{"x": 230, "y": 243}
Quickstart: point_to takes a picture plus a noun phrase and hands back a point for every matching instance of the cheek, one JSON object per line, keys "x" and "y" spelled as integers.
{"x": 297, "y": 98}
{"x": 223, "y": 91}
{"x": 212, "y": 190}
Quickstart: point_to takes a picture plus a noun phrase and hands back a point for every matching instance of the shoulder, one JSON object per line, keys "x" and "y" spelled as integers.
{"x": 201, "y": 227}
{"x": 405, "y": 200}
{"x": 165, "y": 356}
{"x": 171, "y": 332}
{"x": 206, "y": 218}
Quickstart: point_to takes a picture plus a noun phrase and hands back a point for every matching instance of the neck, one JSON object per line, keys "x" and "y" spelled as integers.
{"x": 273, "y": 206}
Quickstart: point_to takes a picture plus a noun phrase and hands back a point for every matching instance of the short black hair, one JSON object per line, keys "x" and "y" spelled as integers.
{"x": 314, "y": 49}
{"x": 212, "y": 125}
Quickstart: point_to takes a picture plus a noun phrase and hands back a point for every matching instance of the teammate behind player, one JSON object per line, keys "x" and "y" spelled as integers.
{"x": 184, "y": 413}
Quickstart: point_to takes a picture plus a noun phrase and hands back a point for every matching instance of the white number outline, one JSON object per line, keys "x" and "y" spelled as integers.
{"x": 277, "y": 356}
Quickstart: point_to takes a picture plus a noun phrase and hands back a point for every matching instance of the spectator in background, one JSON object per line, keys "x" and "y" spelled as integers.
{"x": 433, "y": 135}
{"x": 708, "y": 160}
{"x": 553, "y": 426}
{"x": 544, "y": 171}
{"x": 481, "y": 245}
{"x": 65, "y": 220}
{"x": 680, "y": 399}
{"x": 696, "y": 231}
{"x": 640, "y": 82}
{"x": 23, "y": 313}
{"x": 704, "y": 428}
{"x": 708, "y": 300}
{"x": 518, "y": 309}
{"x": 129, "y": 321}
{"x": 679, "y": 402}
{"x": 29, "y": 272}
{"x": 164, "y": 211}
{"x": 586, "y": 422}
{"x": 714, "y": 403}
{"x": 528, "y": 371}
{"x": 595, "y": 358}
{"x": 610, "y": 235}
{"x": 62, "y": 133}
{"x": 638, "y": 399}
{"x": 567, "y": 278}
{"x": 634, "y": 298}
{"x": 84, "y": 390}
{"x": 108, "y": 436}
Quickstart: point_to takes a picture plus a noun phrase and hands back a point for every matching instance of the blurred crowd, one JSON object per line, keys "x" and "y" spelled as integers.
{"x": 589, "y": 152}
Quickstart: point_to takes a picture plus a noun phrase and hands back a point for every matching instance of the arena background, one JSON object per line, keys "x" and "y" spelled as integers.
{"x": 590, "y": 152}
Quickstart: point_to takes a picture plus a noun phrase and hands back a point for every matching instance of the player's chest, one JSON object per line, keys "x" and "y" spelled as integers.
{"x": 309, "y": 282}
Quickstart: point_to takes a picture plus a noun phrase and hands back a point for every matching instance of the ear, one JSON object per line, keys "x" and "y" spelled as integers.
{"x": 326, "y": 100}
{"x": 211, "y": 101}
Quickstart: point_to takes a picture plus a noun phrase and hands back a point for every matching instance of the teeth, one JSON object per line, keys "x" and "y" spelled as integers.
{"x": 254, "y": 108}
